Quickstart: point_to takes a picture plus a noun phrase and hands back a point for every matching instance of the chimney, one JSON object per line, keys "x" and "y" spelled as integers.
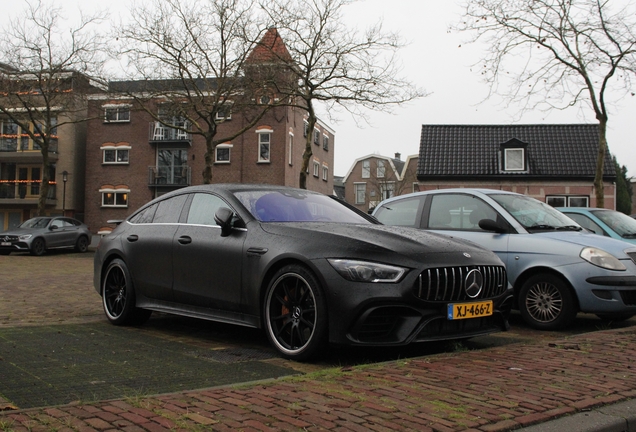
{"x": 398, "y": 156}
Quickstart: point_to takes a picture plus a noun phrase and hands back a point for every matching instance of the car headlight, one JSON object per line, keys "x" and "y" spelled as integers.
{"x": 600, "y": 258}
{"x": 25, "y": 236}
{"x": 364, "y": 271}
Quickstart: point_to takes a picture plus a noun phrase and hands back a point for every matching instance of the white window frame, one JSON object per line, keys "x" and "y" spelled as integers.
{"x": 316, "y": 168}
{"x": 229, "y": 153}
{"x": 325, "y": 172}
{"x": 366, "y": 168}
{"x": 317, "y": 137}
{"x": 357, "y": 189}
{"x": 261, "y": 133}
{"x": 325, "y": 142}
{"x": 115, "y": 192}
{"x": 290, "y": 160}
{"x": 117, "y": 149}
{"x": 119, "y": 109}
{"x": 387, "y": 190}
{"x": 507, "y": 166}
{"x": 380, "y": 170}
{"x": 225, "y": 109}
{"x": 566, "y": 200}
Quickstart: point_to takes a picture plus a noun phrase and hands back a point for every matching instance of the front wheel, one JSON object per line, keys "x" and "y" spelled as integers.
{"x": 38, "y": 247}
{"x": 295, "y": 313}
{"x": 118, "y": 296}
{"x": 545, "y": 302}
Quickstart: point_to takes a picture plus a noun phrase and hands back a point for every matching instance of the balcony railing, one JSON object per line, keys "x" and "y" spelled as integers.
{"x": 161, "y": 133}
{"x": 12, "y": 189}
{"x": 169, "y": 175}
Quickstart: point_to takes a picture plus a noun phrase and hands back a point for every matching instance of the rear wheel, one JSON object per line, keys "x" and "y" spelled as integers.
{"x": 545, "y": 302}
{"x": 295, "y": 313}
{"x": 82, "y": 244}
{"x": 38, "y": 247}
{"x": 118, "y": 296}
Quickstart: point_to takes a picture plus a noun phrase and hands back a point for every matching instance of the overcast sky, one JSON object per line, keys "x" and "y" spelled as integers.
{"x": 439, "y": 62}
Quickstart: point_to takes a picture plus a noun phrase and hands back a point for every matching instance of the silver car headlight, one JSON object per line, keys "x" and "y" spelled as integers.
{"x": 600, "y": 258}
{"x": 25, "y": 236}
{"x": 365, "y": 271}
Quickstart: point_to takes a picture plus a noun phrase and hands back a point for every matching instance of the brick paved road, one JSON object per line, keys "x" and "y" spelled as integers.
{"x": 500, "y": 388}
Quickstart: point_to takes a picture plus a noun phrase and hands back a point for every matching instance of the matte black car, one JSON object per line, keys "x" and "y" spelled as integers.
{"x": 306, "y": 267}
{"x": 39, "y": 234}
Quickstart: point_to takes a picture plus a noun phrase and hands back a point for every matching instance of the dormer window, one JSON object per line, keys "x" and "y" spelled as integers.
{"x": 514, "y": 156}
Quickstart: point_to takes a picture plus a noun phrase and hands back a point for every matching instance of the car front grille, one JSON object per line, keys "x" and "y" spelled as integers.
{"x": 632, "y": 255}
{"x": 628, "y": 297}
{"x": 8, "y": 238}
{"x": 448, "y": 283}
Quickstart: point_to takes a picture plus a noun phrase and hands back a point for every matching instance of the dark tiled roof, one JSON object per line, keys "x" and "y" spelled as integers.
{"x": 270, "y": 48}
{"x": 553, "y": 151}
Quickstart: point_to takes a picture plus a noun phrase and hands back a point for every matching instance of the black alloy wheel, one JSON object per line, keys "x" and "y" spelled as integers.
{"x": 295, "y": 313}
{"x": 38, "y": 247}
{"x": 545, "y": 302}
{"x": 118, "y": 296}
{"x": 82, "y": 244}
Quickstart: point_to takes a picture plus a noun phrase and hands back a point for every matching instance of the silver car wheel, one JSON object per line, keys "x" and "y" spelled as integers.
{"x": 544, "y": 302}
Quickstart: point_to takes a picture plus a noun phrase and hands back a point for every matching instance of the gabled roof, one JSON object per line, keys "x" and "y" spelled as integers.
{"x": 552, "y": 151}
{"x": 397, "y": 165}
{"x": 271, "y": 48}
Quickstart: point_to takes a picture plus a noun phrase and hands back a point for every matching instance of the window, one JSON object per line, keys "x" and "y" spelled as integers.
{"x": 567, "y": 201}
{"x": 114, "y": 197}
{"x": 115, "y": 155}
{"x": 169, "y": 210}
{"x": 360, "y": 191}
{"x": 458, "y": 211}
{"x": 203, "y": 208}
{"x": 224, "y": 113}
{"x": 380, "y": 170}
{"x": 325, "y": 172}
{"x": 366, "y": 169}
{"x": 264, "y": 139}
{"x": 404, "y": 212}
{"x": 316, "y": 168}
{"x": 291, "y": 149}
{"x": 145, "y": 215}
{"x": 116, "y": 113}
{"x": 588, "y": 223}
{"x": 513, "y": 159}
{"x": 387, "y": 190}
{"x": 305, "y": 128}
{"x": 317, "y": 137}
{"x": 222, "y": 153}
{"x": 325, "y": 142}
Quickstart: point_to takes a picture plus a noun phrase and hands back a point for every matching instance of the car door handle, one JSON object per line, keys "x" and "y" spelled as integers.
{"x": 185, "y": 240}
{"x": 132, "y": 238}
{"x": 256, "y": 251}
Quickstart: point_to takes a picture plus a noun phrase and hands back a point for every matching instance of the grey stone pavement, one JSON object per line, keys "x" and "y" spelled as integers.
{"x": 64, "y": 368}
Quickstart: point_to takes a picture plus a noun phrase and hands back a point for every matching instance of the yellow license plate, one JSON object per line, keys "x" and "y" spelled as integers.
{"x": 469, "y": 310}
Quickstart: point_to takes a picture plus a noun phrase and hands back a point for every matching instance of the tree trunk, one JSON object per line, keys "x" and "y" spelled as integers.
{"x": 600, "y": 163}
{"x": 311, "y": 120}
{"x": 44, "y": 179}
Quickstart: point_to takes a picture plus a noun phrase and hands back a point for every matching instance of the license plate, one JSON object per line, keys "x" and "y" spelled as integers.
{"x": 5, "y": 244}
{"x": 469, "y": 310}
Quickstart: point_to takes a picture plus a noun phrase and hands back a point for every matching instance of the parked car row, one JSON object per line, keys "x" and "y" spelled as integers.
{"x": 311, "y": 270}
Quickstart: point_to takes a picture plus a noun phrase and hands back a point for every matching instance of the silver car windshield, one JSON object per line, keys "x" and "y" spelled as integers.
{"x": 297, "y": 206}
{"x": 36, "y": 223}
{"x": 533, "y": 214}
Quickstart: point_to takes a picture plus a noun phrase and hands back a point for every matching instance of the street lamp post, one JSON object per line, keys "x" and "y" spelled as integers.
{"x": 64, "y": 180}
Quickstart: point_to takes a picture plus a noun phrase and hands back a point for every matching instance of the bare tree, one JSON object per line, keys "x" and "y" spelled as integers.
{"x": 194, "y": 57}
{"x": 335, "y": 65}
{"x": 556, "y": 54}
{"x": 45, "y": 76}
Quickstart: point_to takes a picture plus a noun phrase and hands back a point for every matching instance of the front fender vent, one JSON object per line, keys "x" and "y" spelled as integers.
{"x": 447, "y": 284}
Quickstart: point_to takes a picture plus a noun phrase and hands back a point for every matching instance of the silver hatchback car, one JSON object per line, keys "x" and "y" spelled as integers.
{"x": 39, "y": 234}
{"x": 555, "y": 267}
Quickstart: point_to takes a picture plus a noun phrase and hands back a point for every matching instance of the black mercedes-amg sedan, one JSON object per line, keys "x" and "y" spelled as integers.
{"x": 306, "y": 267}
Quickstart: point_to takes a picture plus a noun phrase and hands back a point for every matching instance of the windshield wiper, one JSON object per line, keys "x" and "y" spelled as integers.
{"x": 569, "y": 228}
{"x": 629, "y": 235}
{"x": 539, "y": 226}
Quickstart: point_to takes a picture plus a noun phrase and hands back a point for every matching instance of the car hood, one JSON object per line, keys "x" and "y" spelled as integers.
{"x": 384, "y": 243}
{"x": 20, "y": 231}
{"x": 614, "y": 246}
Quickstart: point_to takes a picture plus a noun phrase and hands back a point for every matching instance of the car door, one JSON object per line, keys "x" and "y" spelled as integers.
{"x": 70, "y": 232}
{"x": 54, "y": 234}
{"x": 458, "y": 215}
{"x": 207, "y": 266}
{"x": 148, "y": 247}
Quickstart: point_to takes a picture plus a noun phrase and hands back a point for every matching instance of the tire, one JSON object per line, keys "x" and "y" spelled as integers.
{"x": 82, "y": 244}
{"x": 5, "y": 252}
{"x": 38, "y": 247}
{"x": 617, "y": 317}
{"x": 545, "y": 302}
{"x": 295, "y": 313}
{"x": 118, "y": 296}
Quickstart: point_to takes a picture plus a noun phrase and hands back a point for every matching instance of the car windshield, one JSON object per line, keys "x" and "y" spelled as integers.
{"x": 535, "y": 215}
{"x": 622, "y": 224}
{"x": 35, "y": 223}
{"x": 297, "y": 206}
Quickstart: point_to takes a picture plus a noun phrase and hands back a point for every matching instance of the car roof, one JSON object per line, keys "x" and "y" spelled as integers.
{"x": 477, "y": 191}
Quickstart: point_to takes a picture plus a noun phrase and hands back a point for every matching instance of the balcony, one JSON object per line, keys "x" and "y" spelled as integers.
{"x": 24, "y": 150}
{"x": 24, "y": 191}
{"x": 171, "y": 176}
{"x": 159, "y": 133}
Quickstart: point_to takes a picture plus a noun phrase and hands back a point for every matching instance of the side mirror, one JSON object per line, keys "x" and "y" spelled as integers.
{"x": 53, "y": 227}
{"x": 223, "y": 218}
{"x": 491, "y": 225}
